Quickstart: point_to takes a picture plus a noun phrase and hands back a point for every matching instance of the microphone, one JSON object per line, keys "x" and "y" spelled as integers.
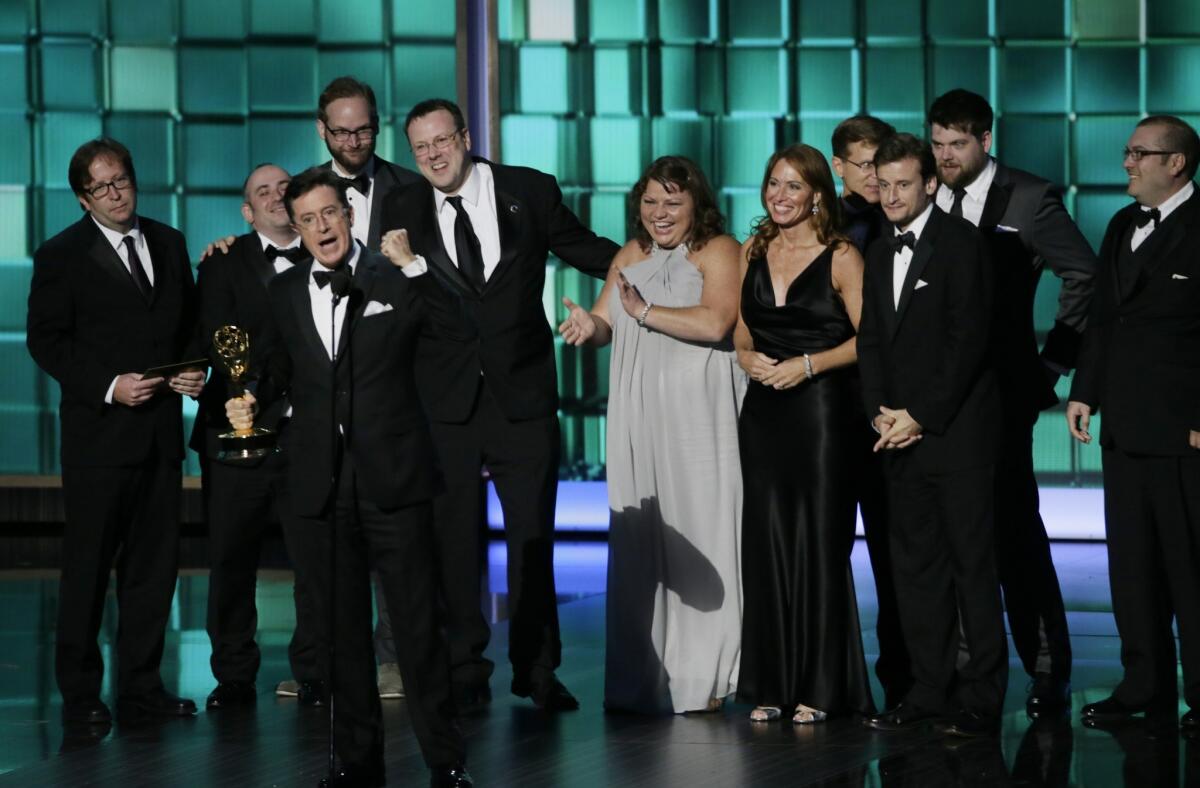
{"x": 339, "y": 283}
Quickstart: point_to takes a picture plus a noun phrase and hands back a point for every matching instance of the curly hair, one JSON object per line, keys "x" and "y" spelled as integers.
{"x": 678, "y": 173}
{"x": 814, "y": 170}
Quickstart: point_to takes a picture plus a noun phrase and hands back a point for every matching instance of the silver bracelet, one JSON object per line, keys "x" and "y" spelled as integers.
{"x": 641, "y": 321}
{"x": 808, "y": 370}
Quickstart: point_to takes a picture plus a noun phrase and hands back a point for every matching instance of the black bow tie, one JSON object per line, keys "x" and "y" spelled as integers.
{"x": 898, "y": 242}
{"x": 1145, "y": 217}
{"x": 293, "y": 254}
{"x": 324, "y": 276}
{"x": 360, "y": 182}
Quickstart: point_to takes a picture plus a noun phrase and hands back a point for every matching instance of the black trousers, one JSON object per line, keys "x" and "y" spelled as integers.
{"x": 522, "y": 458}
{"x": 1033, "y": 600}
{"x": 242, "y": 502}
{"x": 892, "y": 668}
{"x": 1152, "y": 519}
{"x": 943, "y": 556}
{"x": 399, "y": 545}
{"x": 130, "y": 514}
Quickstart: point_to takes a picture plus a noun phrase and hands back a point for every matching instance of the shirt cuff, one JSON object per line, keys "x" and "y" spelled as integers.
{"x": 112, "y": 387}
{"x": 415, "y": 268}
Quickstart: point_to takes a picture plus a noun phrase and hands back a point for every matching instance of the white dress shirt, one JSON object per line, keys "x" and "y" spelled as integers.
{"x": 1140, "y": 234}
{"x": 479, "y": 199}
{"x": 361, "y": 228}
{"x": 281, "y": 263}
{"x": 903, "y": 258}
{"x": 143, "y": 252}
{"x": 976, "y": 196}
{"x": 322, "y": 302}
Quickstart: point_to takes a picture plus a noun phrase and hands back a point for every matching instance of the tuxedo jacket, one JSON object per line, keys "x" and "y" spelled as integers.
{"x": 385, "y": 431}
{"x": 388, "y": 178}
{"x": 1140, "y": 364}
{"x": 87, "y": 323}
{"x": 1030, "y": 230}
{"x": 504, "y": 333}
{"x": 931, "y": 355}
{"x": 232, "y": 291}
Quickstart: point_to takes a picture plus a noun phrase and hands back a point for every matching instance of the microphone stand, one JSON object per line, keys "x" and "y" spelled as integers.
{"x": 339, "y": 287}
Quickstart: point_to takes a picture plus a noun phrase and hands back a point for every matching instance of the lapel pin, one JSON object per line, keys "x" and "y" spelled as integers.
{"x": 513, "y": 208}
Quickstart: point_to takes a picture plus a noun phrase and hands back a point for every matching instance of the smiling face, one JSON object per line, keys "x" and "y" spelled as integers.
{"x": 349, "y": 114}
{"x": 857, "y": 179}
{"x": 903, "y": 193}
{"x": 787, "y": 197}
{"x": 1156, "y": 177}
{"x": 667, "y": 213}
{"x": 441, "y": 149}
{"x": 323, "y": 222}
{"x": 960, "y": 155}
{"x": 264, "y": 208}
{"x": 116, "y": 209}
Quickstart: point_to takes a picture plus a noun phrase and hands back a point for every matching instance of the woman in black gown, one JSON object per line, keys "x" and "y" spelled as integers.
{"x": 801, "y": 297}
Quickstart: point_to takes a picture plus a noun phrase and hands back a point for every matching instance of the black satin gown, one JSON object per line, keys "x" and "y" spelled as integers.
{"x": 801, "y": 641}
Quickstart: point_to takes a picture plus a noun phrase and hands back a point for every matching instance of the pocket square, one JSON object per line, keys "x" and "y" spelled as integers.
{"x": 1179, "y": 276}
{"x": 920, "y": 283}
{"x": 1003, "y": 228}
{"x": 376, "y": 308}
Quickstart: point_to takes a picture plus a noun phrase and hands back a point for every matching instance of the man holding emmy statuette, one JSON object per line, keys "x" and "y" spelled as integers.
{"x": 341, "y": 347}
{"x": 246, "y": 495}
{"x": 111, "y": 310}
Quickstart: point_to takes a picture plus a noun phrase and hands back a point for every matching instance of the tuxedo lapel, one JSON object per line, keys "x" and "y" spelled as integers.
{"x": 304, "y": 313}
{"x": 365, "y": 276}
{"x": 382, "y": 184}
{"x": 158, "y": 261}
{"x": 998, "y": 196}
{"x": 429, "y": 242}
{"x": 1176, "y": 227}
{"x": 510, "y": 217}
{"x": 264, "y": 269}
{"x": 921, "y": 255}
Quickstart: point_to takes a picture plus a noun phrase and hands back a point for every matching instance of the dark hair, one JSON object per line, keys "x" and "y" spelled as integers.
{"x": 249, "y": 175}
{"x": 346, "y": 87}
{"x": 906, "y": 146}
{"x": 814, "y": 170}
{"x": 312, "y": 178}
{"x": 682, "y": 174}
{"x": 1179, "y": 136}
{"x": 427, "y": 106}
{"x": 860, "y": 128}
{"x": 99, "y": 148}
{"x": 963, "y": 110}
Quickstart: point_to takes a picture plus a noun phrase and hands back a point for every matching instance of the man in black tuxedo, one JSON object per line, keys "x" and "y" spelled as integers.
{"x": 1140, "y": 366}
{"x": 112, "y": 297}
{"x": 1029, "y": 230}
{"x": 487, "y": 230}
{"x": 923, "y": 353}
{"x": 855, "y": 141}
{"x": 347, "y": 325}
{"x": 243, "y": 497}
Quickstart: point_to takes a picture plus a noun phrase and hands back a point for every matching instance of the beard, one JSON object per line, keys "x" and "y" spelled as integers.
{"x": 351, "y": 161}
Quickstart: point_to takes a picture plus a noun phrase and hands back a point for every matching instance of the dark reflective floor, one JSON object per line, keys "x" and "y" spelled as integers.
{"x": 511, "y": 744}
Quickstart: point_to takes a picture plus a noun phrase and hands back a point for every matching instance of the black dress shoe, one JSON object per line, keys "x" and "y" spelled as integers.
{"x": 548, "y": 694}
{"x": 355, "y": 777}
{"x": 1047, "y": 695}
{"x": 452, "y": 777}
{"x": 904, "y": 717}
{"x": 86, "y": 712}
{"x": 231, "y": 693}
{"x": 1108, "y": 710}
{"x": 312, "y": 693}
{"x": 158, "y": 703}
{"x": 971, "y": 725}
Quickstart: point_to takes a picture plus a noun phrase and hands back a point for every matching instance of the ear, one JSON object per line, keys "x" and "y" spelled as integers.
{"x": 247, "y": 214}
{"x": 986, "y": 140}
{"x": 466, "y": 135}
{"x": 931, "y": 186}
{"x": 321, "y": 128}
{"x": 838, "y": 166}
{"x": 1178, "y": 164}
{"x": 83, "y": 203}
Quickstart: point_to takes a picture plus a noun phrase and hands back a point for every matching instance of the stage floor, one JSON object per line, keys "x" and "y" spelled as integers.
{"x": 512, "y": 744}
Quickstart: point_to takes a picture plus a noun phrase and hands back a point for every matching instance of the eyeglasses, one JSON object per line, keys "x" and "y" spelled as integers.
{"x": 332, "y": 214}
{"x": 120, "y": 183}
{"x": 363, "y": 133}
{"x": 1137, "y": 153}
{"x": 865, "y": 167}
{"x": 441, "y": 142}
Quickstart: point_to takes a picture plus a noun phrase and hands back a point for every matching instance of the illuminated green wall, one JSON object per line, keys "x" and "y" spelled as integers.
{"x": 590, "y": 90}
{"x": 594, "y": 90}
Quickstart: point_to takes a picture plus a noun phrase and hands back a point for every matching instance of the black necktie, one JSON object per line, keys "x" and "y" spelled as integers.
{"x": 292, "y": 254}
{"x": 956, "y": 206}
{"x": 360, "y": 182}
{"x": 136, "y": 272}
{"x": 466, "y": 244}
{"x": 898, "y": 242}
{"x": 1145, "y": 217}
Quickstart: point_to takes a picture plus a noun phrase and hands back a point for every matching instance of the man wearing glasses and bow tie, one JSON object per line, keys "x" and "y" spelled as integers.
{"x": 242, "y": 497}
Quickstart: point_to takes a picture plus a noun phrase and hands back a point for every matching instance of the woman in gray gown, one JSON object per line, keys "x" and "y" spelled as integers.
{"x": 674, "y": 477}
